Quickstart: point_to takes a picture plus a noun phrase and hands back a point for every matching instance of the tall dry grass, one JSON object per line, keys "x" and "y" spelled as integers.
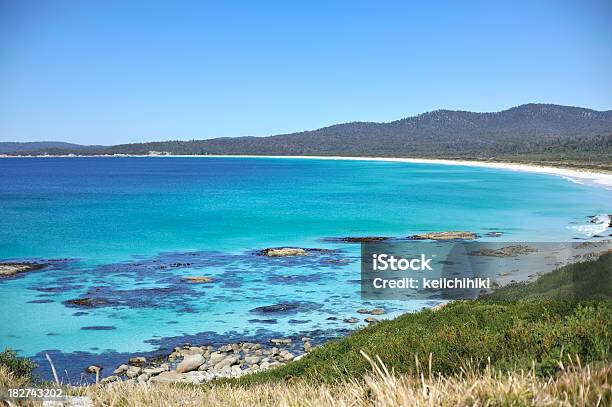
{"x": 575, "y": 385}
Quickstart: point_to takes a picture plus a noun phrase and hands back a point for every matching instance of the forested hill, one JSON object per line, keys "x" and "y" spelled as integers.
{"x": 15, "y": 147}
{"x": 541, "y": 131}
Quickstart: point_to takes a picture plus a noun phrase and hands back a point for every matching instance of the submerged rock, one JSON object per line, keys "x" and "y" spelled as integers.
{"x": 89, "y": 302}
{"x": 198, "y": 279}
{"x": 452, "y": 235}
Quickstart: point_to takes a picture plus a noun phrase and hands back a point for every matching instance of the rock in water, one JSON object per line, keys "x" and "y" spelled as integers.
{"x": 137, "y": 361}
{"x": 453, "y": 235}
{"x": 283, "y": 252}
{"x": 190, "y": 362}
{"x": 11, "y": 269}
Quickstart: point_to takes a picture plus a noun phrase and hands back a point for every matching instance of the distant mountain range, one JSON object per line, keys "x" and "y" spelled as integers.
{"x": 531, "y": 131}
{"x": 14, "y": 147}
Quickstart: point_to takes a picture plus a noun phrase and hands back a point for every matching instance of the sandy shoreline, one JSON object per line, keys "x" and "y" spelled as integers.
{"x": 585, "y": 177}
{"x": 578, "y": 176}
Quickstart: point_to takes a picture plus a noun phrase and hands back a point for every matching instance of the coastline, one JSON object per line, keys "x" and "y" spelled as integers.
{"x": 584, "y": 177}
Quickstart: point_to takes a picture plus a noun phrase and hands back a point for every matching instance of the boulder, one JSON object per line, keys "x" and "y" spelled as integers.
{"x": 137, "y": 361}
{"x": 121, "y": 370}
{"x": 252, "y": 360}
{"x": 228, "y": 361}
{"x": 167, "y": 377}
{"x": 93, "y": 369}
{"x": 371, "y": 320}
{"x": 133, "y": 372}
{"x": 287, "y": 356}
{"x": 109, "y": 379}
{"x": 351, "y": 320}
{"x": 279, "y": 341}
{"x": 226, "y": 348}
{"x": 190, "y": 362}
{"x": 198, "y": 377}
{"x": 215, "y": 358}
{"x": 154, "y": 371}
{"x": 377, "y": 311}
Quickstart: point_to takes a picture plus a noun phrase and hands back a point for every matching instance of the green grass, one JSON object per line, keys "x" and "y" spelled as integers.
{"x": 518, "y": 327}
{"x": 592, "y": 279}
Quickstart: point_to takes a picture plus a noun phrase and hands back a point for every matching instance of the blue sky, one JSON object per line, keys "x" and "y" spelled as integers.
{"x": 107, "y": 72}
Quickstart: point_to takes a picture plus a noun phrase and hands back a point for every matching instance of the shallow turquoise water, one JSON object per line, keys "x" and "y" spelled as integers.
{"x": 121, "y": 225}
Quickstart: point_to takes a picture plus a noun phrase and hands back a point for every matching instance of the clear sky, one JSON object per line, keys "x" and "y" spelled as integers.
{"x": 107, "y": 72}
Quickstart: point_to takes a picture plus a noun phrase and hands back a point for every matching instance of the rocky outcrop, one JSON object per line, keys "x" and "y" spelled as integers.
{"x": 283, "y": 252}
{"x": 508, "y": 251}
{"x": 199, "y": 364}
{"x": 13, "y": 269}
{"x": 452, "y": 235}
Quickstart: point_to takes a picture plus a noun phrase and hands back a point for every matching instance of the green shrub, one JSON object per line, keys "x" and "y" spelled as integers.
{"x": 21, "y": 367}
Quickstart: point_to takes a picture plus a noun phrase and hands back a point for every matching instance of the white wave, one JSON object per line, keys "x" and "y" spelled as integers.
{"x": 597, "y": 225}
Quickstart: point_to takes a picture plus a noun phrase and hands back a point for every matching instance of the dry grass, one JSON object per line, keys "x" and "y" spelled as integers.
{"x": 573, "y": 386}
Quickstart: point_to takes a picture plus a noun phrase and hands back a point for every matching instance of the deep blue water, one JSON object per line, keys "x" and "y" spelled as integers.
{"x": 127, "y": 230}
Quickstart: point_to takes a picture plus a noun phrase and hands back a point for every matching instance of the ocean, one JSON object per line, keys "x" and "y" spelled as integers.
{"x": 128, "y": 230}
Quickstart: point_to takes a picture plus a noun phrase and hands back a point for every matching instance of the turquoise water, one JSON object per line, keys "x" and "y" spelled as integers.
{"x": 127, "y": 230}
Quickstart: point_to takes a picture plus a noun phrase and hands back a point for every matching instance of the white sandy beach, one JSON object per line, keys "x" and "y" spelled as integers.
{"x": 585, "y": 177}
{"x": 582, "y": 177}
